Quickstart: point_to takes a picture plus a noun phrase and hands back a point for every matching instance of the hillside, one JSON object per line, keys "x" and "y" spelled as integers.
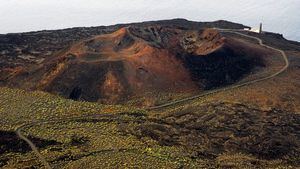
{"x": 73, "y": 134}
{"x": 83, "y": 97}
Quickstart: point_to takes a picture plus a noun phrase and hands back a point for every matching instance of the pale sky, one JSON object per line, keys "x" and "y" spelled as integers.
{"x": 30, "y": 15}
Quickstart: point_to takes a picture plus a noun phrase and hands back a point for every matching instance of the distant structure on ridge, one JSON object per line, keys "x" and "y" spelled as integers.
{"x": 260, "y": 28}
{"x": 256, "y": 30}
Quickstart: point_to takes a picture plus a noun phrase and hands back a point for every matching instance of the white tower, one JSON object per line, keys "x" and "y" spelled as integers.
{"x": 260, "y": 28}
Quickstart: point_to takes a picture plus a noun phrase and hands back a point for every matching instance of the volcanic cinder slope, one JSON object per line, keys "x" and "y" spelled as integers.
{"x": 133, "y": 60}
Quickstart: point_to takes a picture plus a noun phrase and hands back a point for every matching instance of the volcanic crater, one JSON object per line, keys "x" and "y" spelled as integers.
{"x": 112, "y": 68}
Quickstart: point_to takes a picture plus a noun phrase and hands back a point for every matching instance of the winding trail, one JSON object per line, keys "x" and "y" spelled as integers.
{"x": 32, "y": 146}
{"x": 19, "y": 129}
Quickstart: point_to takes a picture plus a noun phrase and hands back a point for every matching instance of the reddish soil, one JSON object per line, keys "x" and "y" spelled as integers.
{"x": 113, "y": 67}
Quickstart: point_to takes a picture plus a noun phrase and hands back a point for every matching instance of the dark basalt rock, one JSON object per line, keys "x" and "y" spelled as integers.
{"x": 272, "y": 134}
{"x": 10, "y": 142}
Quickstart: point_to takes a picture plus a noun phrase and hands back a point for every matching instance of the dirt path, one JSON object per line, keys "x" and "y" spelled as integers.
{"x": 47, "y": 165}
{"x": 32, "y": 146}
